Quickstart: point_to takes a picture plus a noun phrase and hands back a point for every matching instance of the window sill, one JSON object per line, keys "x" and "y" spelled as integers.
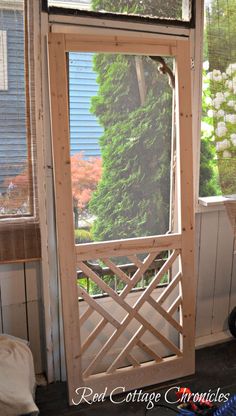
{"x": 20, "y": 221}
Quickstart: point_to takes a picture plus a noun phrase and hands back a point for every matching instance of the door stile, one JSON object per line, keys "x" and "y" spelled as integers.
{"x": 64, "y": 209}
{"x": 186, "y": 200}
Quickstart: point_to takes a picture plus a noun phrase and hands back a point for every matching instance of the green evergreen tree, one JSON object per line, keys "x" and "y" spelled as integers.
{"x": 208, "y": 181}
{"x": 132, "y": 198}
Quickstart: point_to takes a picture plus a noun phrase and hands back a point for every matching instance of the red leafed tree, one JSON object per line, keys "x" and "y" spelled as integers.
{"x": 85, "y": 174}
{"x": 15, "y": 198}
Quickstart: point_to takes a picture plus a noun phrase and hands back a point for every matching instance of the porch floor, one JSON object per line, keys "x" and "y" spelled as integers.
{"x": 215, "y": 368}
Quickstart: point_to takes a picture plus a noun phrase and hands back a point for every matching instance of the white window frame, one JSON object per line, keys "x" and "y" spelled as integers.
{"x": 213, "y": 202}
{"x": 3, "y": 61}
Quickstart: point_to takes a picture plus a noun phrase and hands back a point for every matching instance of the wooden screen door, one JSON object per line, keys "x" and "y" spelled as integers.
{"x": 120, "y": 354}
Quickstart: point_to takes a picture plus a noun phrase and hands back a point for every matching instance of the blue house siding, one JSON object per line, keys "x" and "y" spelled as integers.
{"x": 84, "y": 128}
{"x": 13, "y": 142}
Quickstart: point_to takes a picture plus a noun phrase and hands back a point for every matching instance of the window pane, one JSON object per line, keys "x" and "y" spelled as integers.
{"x": 14, "y": 164}
{"x": 218, "y": 158}
{"x": 120, "y": 135}
{"x": 169, "y": 9}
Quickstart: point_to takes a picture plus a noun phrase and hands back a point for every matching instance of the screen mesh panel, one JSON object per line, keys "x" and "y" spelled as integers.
{"x": 170, "y": 9}
{"x": 218, "y": 168}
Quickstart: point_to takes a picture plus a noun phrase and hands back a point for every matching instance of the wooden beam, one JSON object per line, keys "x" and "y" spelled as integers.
{"x": 89, "y": 251}
{"x": 80, "y": 24}
{"x": 186, "y": 203}
{"x": 63, "y": 194}
{"x": 120, "y": 44}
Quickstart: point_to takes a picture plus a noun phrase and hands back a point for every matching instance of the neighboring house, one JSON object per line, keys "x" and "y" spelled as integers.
{"x": 13, "y": 144}
{"x": 84, "y": 127}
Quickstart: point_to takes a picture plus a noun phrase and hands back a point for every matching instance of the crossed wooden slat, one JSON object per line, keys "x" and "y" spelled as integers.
{"x": 141, "y": 331}
{"x": 132, "y": 312}
{"x": 134, "y": 259}
{"x": 92, "y": 303}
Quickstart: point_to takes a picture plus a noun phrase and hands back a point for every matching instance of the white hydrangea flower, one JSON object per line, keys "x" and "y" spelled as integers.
{"x": 221, "y": 146}
{"x": 226, "y": 94}
{"x": 231, "y": 103}
{"x": 220, "y": 96}
{"x": 218, "y": 146}
{"x": 210, "y": 75}
{"x": 221, "y": 124}
{"x": 216, "y": 103}
{"x": 211, "y": 113}
{"x": 206, "y": 65}
{"x": 233, "y": 138}
{"x": 226, "y": 154}
{"x": 231, "y": 68}
{"x": 218, "y": 100}
{"x": 208, "y": 100}
{"x": 220, "y": 113}
{"x": 221, "y": 129}
{"x": 216, "y": 75}
{"x": 207, "y": 128}
{"x": 230, "y": 118}
{"x": 234, "y": 85}
{"x": 224, "y": 76}
{"x": 229, "y": 84}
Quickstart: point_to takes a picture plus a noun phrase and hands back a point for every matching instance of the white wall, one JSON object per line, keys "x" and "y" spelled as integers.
{"x": 216, "y": 274}
{"x": 20, "y": 294}
{"x": 21, "y": 307}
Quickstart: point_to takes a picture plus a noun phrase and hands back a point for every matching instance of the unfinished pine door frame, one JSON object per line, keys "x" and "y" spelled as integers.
{"x": 70, "y": 256}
